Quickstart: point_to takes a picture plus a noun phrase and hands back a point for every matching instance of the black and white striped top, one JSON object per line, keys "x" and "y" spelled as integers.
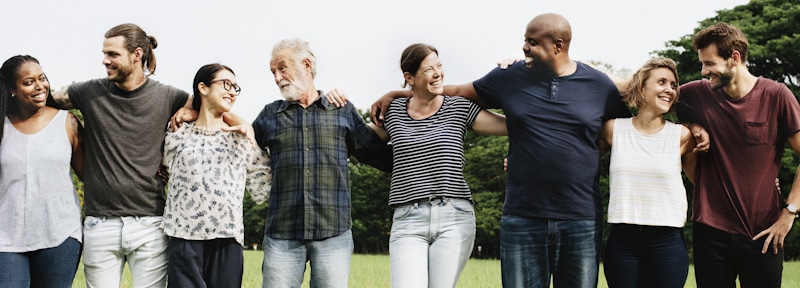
{"x": 429, "y": 153}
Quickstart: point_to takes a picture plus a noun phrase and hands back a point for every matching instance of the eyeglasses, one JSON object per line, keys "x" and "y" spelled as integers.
{"x": 227, "y": 85}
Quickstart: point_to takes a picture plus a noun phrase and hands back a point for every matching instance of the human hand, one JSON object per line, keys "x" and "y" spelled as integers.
{"x": 244, "y": 129}
{"x": 163, "y": 174}
{"x": 505, "y": 164}
{"x": 700, "y": 137}
{"x": 336, "y": 97}
{"x": 182, "y": 115}
{"x": 776, "y": 234}
{"x": 503, "y": 64}
{"x": 378, "y": 110}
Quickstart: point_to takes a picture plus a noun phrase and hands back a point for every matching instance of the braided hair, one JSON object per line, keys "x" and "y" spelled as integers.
{"x": 8, "y": 82}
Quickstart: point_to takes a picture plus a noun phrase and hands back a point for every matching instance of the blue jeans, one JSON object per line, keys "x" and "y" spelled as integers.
{"x": 47, "y": 268}
{"x": 109, "y": 242}
{"x": 719, "y": 257}
{"x": 431, "y": 242}
{"x": 285, "y": 261}
{"x": 645, "y": 256}
{"x": 533, "y": 249}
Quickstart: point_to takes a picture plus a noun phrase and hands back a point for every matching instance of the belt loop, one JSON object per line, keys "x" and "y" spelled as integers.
{"x": 416, "y": 205}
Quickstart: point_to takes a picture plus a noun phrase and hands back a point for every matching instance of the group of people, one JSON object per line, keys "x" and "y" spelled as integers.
{"x": 562, "y": 116}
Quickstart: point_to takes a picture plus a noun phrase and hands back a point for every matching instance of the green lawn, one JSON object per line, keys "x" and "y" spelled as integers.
{"x": 373, "y": 271}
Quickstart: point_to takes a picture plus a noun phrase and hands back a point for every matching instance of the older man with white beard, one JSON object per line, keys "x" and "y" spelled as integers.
{"x": 309, "y": 141}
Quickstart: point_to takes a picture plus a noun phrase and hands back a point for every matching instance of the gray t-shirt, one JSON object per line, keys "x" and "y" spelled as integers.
{"x": 123, "y": 138}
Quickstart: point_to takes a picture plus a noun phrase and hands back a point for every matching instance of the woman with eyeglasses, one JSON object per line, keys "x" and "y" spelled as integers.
{"x": 209, "y": 168}
{"x": 40, "y": 230}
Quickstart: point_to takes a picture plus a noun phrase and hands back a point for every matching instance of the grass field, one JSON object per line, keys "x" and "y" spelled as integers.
{"x": 373, "y": 271}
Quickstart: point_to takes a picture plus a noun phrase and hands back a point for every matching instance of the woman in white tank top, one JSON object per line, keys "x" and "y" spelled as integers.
{"x": 647, "y": 207}
{"x": 40, "y": 232}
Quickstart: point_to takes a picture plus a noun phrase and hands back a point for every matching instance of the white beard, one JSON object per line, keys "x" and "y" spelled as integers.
{"x": 294, "y": 91}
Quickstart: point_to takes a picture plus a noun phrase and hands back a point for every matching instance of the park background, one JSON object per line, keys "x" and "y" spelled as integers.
{"x": 357, "y": 51}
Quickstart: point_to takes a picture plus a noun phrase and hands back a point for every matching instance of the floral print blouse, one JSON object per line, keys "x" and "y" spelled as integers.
{"x": 208, "y": 174}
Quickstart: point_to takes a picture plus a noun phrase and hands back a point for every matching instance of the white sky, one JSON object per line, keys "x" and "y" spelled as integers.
{"x": 357, "y": 42}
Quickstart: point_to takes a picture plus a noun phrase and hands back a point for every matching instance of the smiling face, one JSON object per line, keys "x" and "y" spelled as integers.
{"x": 31, "y": 87}
{"x": 215, "y": 97}
{"x": 118, "y": 61}
{"x": 717, "y": 69}
{"x": 660, "y": 91}
{"x": 429, "y": 78}
{"x": 538, "y": 49}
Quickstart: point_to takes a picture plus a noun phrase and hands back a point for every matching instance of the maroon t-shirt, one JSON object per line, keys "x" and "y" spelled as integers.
{"x": 735, "y": 181}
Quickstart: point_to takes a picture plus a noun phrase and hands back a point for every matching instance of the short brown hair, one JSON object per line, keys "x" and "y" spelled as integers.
{"x": 726, "y": 37}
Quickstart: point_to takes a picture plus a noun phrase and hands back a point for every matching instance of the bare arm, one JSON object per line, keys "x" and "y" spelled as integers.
{"x": 239, "y": 125}
{"x": 184, "y": 114}
{"x": 380, "y": 131}
{"x": 606, "y": 136}
{"x": 75, "y": 135}
{"x": 490, "y": 123}
{"x": 776, "y": 234}
{"x": 378, "y": 109}
{"x": 60, "y": 100}
{"x": 688, "y": 156}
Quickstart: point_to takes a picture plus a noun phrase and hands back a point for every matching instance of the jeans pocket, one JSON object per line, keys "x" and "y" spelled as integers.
{"x": 151, "y": 221}
{"x": 403, "y": 211}
{"x": 462, "y": 206}
{"x": 90, "y": 223}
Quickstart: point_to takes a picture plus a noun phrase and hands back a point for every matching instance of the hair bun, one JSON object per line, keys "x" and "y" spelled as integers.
{"x": 153, "y": 42}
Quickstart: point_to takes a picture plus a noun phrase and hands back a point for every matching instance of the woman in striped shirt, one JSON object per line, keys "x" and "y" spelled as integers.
{"x": 433, "y": 226}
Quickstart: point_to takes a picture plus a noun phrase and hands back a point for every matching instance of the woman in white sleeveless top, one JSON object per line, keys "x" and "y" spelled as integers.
{"x": 647, "y": 207}
{"x": 40, "y": 232}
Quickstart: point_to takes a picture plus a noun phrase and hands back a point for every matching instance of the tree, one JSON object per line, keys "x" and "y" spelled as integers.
{"x": 773, "y": 32}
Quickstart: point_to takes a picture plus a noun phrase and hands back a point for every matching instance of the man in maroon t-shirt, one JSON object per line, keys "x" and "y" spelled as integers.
{"x": 740, "y": 220}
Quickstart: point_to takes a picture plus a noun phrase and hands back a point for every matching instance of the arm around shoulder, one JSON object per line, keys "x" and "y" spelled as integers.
{"x": 60, "y": 100}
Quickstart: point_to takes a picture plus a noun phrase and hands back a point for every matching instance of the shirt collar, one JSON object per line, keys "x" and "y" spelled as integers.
{"x": 322, "y": 103}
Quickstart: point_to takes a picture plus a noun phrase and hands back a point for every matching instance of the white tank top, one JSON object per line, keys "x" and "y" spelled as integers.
{"x": 646, "y": 185}
{"x": 38, "y": 205}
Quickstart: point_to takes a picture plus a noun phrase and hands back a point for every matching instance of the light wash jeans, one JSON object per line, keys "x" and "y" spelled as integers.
{"x": 109, "y": 242}
{"x": 285, "y": 261}
{"x": 533, "y": 249}
{"x": 431, "y": 242}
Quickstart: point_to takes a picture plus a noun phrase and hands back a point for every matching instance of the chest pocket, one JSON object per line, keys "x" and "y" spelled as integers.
{"x": 757, "y": 133}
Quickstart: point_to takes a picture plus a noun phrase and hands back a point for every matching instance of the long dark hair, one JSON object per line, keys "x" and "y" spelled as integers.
{"x": 8, "y": 82}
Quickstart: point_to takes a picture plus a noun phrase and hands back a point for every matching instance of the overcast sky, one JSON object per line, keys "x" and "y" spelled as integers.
{"x": 357, "y": 43}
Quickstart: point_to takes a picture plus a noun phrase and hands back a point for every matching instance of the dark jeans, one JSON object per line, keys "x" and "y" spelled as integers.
{"x": 205, "y": 263}
{"x": 533, "y": 249}
{"x": 47, "y": 268}
{"x": 719, "y": 257}
{"x": 645, "y": 256}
